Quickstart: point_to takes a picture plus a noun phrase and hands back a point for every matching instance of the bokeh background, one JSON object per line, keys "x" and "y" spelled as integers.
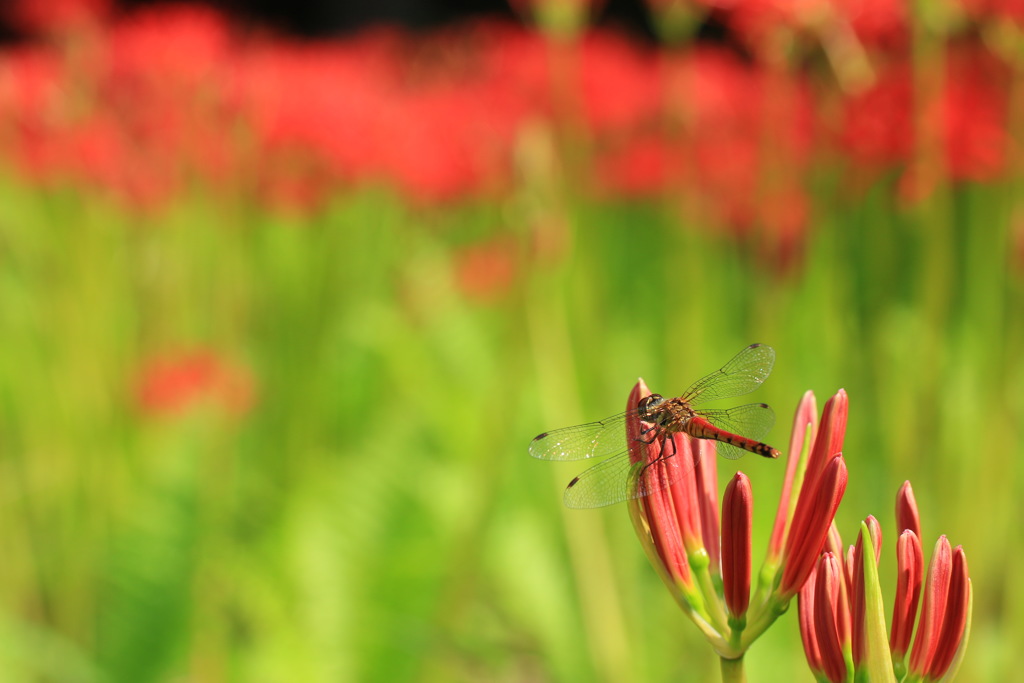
{"x": 285, "y": 294}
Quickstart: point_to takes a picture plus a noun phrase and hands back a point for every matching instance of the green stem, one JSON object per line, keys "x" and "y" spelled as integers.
{"x": 699, "y": 565}
{"x": 759, "y": 620}
{"x": 732, "y": 671}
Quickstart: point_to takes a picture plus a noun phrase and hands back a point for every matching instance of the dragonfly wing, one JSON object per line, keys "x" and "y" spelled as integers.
{"x": 617, "y": 479}
{"x": 603, "y": 484}
{"x": 744, "y": 373}
{"x": 753, "y": 421}
{"x": 591, "y": 440}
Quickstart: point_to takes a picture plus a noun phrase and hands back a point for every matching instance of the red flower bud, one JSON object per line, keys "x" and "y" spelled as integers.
{"x": 906, "y": 510}
{"x": 855, "y": 576}
{"x": 737, "y": 515}
{"x": 810, "y": 527}
{"x": 933, "y": 608}
{"x": 805, "y": 424}
{"x": 910, "y": 572}
{"x": 955, "y": 619}
{"x": 831, "y": 617}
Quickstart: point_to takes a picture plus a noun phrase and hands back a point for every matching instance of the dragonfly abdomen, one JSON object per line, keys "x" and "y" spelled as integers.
{"x": 702, "y": 429}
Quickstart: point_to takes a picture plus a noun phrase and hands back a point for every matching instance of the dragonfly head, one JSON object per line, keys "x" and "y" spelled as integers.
{"x": 649, "y": 407}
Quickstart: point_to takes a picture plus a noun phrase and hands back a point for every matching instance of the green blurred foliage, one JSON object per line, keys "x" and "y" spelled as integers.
{"x": 374, "y": 515}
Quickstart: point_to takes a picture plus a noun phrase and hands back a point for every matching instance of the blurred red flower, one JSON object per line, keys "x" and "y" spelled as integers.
{"x": 169, "y": 84}
{"x": 53, "y": 16}
{"x": 876, "y": 128}
{"x": 996, "y": 9}
{"x": 147, "y": 108}
{"x": 620, "y": 83}
{"x": 318, "y": 109}
{"x": 486, "y": 271}
{"x": 638, "y": 168}
{"x": 872, "y": 22}
{"x": 880, "y": 126}
{"x": 973, "y": 113}
{"x": 174, "y": 383}
{"x": 169, "y": 97}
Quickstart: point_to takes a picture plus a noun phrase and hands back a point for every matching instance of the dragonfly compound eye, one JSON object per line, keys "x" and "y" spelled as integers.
{"x": 649, "y": 407}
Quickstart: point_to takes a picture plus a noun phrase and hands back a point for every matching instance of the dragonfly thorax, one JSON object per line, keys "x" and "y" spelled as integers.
{"x": 672, "y": 414}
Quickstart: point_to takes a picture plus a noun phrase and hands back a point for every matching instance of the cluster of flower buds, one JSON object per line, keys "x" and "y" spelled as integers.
{"x": 704, "y": 554}
{"x": 841, "y": 618}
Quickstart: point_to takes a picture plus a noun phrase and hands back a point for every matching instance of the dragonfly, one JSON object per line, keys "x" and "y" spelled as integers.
{"x": 735, "y": 431}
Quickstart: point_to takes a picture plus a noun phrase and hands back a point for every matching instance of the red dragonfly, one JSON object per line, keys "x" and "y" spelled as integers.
{"x": 616, "y": 479}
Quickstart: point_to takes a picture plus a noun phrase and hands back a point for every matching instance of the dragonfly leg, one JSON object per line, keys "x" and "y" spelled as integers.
{"x": 654, "y": 437}
{"x": 667, "y": 441}
{"x": 650, "y": 429}
{"x": 648, "y": 480}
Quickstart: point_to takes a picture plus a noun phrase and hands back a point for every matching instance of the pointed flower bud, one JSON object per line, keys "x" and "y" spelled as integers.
{"x": 737, "y": 516}
{"x": 831, "y": 618}
{"x": 685, "y": 493}
{"x": 907, "y": 516}
{"x": 805, "y": 427}
{"x": 858, "y": 604}
{"x": 810, "y": 527}
{"x": 875, "y": 529}
{"x": 828, "y": 441}
{"x": 909, "y": 575}
{"x": 933, "y": 607}
{"x": 834, "y": 541}
{"x": 822, "y": 485}
{"x": 706, "y": 474}
{"x": 805, "y": 612}
{"x": 953, "y": 633}
{"x": 945, "y": 612}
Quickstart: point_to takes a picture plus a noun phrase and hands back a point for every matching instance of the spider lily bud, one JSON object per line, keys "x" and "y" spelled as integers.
{"x": 855, "y": 584}
{"x": 907, "y": 516}
{"x": 706, "y": 474}
{"x": 737, "y": 514}
{"x": 953, "y": 635}
{"x": 810, "y": 527}
{"x": 808, "y": 635}
{"x": 909, "y": 575}
{"x": 944, "y": 613}
{"x": 831, "y": 618}
{"x": 805, "y": 428}
{"x": 818, "y": 473}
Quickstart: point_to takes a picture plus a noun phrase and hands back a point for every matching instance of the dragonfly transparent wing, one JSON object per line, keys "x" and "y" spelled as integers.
{"x": 744, "y": 373}
{"x": 603, "y": 484}
{"x": 753, "y": 421}
{"x": 591, "y": 440}
{"x": 617, "y": 479}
